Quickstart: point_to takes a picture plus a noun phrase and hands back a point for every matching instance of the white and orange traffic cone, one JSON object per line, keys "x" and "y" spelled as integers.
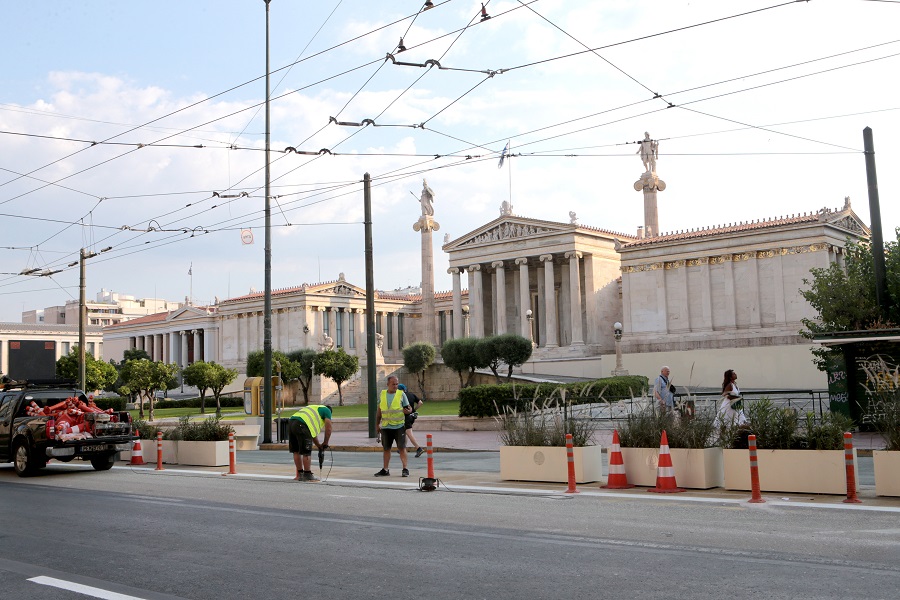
{"x": 137, "y": 455}
{"x": 616, "y": 478}
{"x": 665, "y": 472}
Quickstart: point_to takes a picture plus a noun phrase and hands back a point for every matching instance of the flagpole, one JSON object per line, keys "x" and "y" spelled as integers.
{"x": 510, "y": 173}
{"x": 191, "y": 292}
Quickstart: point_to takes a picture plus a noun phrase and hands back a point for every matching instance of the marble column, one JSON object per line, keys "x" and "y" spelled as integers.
{"x": 198, "y": 348}
{"x": 320, "y": 323}
{"x": 457, "y": 303}
{"x": 426, "y": 224}
{"x": 550, "y": 302}
{"x": 575, "y": 297}
{"x": 500, "y": 278}
{"x": 183, "y": 361}
{"x": 476, "y": 302}
{"x": 650, "y": 184}
{"x": 359, "y": 329}
{"x": 524, "y": 297}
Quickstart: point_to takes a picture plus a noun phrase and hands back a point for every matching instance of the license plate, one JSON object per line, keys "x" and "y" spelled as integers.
{"x": 93, "y": 448}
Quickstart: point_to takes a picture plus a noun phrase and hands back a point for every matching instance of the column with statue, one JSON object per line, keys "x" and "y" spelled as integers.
{"x": 426, "y": 225}
{"x": 650, "y": 184}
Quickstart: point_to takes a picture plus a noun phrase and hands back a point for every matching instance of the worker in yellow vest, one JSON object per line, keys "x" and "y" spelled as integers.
{"x": 393, "y": 407}
{"x": 304, "y": 427}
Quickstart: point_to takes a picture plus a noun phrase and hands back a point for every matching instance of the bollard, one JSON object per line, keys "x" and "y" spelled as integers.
{"x": 430, "y": 483}
{"x": 570, "y": 458}
{"x": 851, "y": 472}
{"x": 756, "y": 496}
{"x": 232, "y": 456}
{"x": 430, "y": 458}
{"x": 159, "y": 466}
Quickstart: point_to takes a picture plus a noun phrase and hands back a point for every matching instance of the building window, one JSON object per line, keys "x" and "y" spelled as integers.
{"x": 400, "y": 331}
{"x": 443, "y": 327}
{"x": 351, "y": 330}
{"x": 390, "y": 332}
{"x": 339, "y": 328}
{"x": 65, "y": 348}
{"x": 89, "y": 348}
{"x": 326, "y": 324}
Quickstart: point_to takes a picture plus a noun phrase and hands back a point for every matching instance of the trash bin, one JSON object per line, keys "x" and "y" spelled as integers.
{"x": 282, "y": 429}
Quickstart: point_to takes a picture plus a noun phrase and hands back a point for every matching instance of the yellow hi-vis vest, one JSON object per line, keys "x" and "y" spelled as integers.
{"x": 392, "y": 418}
{"x": 310, "y": 415}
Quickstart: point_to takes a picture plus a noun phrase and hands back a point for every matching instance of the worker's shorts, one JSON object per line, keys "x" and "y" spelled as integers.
{"x": 389, "y": 435}
{"x": 299, "y": 438}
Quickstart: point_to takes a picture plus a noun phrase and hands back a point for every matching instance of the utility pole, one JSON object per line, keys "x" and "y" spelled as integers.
{"x": 267, "y": 309}
{"x": 882, "y": 296}
{"x": 82, "y": 313}
{"x": 371, "y": 360}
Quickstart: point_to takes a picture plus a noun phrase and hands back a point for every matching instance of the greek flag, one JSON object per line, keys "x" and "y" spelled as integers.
{"x": 191, "y": 269}
{"x": 503, "y": 155}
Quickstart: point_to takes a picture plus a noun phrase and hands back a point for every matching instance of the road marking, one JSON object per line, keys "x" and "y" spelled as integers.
{"x": 81, "y": 589}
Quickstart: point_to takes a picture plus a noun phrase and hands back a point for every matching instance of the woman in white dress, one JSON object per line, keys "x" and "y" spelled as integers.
{"x": 731, "y": 411}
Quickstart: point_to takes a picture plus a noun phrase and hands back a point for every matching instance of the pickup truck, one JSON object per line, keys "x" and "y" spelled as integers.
{"x": 40, "y": 421}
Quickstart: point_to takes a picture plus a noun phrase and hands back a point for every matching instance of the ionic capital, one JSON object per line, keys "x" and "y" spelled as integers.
{"x": 546, "y": 258}
{"x": 498, "y": 264}
{"x": 573, "y": 254}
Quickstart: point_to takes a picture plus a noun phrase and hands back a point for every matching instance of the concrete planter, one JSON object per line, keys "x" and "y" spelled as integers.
{"x": 549, "y": 463}
{"x": 793, "y": 471}
{"x": 202, "y": 454}
{"x": 695, "y": 468}
{"x": 887, "y": 472}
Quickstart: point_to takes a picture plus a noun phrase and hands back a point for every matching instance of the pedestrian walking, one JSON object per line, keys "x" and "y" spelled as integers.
{"x": 663, "y": 390}
{"x": 393, "y": 406}
{"x": 415, "y": 403}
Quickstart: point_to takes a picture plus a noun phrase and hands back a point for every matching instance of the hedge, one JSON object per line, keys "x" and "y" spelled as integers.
{"x": 484, "y": 400}
{"x": 195, "y": 402}
{"x": 114, "y": 402}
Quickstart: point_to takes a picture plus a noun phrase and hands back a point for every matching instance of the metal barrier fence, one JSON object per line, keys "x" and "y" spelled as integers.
{"x": 612, "y": 409}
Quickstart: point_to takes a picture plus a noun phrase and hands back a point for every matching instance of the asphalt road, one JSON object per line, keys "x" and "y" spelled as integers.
{"x": 145, "y": 535}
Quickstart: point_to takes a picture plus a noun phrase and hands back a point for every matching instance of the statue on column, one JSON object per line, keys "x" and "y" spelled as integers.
{"x": 649, "y": 152}
{"x": 427, "y": 199}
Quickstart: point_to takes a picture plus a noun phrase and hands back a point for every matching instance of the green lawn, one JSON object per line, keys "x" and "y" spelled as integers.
{"x": 355, "y": 410}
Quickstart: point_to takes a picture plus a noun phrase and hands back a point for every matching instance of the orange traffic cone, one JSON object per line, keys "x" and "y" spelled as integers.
{"x": 665, "y": 472}
{"x": 137, "y": 455}
{"x": 616, "y": 479}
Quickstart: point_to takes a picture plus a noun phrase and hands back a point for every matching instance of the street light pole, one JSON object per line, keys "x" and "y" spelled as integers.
{"x": 617, "y": 332}
{"x": 267, "y": 309}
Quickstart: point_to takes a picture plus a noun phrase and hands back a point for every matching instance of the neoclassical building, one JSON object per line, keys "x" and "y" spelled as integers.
{"x": 700, "y": 301}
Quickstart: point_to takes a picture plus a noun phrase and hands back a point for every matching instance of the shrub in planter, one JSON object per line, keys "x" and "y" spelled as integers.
{"x": 888, "y": 422}
{"x": 205, "y": 430}
{"x": 542, "y": 425}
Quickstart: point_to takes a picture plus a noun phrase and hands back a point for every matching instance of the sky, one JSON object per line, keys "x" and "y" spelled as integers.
{"x": 120, "y": 121}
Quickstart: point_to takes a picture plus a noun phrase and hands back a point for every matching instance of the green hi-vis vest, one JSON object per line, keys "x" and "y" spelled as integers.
{"x": 310, "y": 415}
{"x": 392, "y": 417}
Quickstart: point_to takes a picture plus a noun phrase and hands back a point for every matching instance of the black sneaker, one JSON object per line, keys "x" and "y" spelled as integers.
{"x": 383, "y": 473}
{"x": 309, "y": 476}
{"x": 404, "y": 473}
{"x": 420, "y": 451}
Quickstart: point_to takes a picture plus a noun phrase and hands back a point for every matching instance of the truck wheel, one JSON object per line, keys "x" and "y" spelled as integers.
{"x": 103, "y": 463}
{"x": 23, "y": 460}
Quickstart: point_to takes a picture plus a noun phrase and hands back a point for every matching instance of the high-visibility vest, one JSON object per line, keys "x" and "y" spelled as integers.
{"x": 310, "y": 415}
{"x": 392, "y": 417}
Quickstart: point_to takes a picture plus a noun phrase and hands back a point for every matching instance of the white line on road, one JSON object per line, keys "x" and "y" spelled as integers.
{"x": 81, "y": 589}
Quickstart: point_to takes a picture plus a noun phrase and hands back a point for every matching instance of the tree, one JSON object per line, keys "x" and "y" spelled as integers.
{"x": 98, "y": 375}
{"x": 844, "y": 296}
{"x": 147, "y": 377}
{"x": 256, "y": 363}
{"x": 198, "y": 375}
{"x": 513, "y": 350}
{"x": 460, "y": 355}
{"x": 304, "y": 359}
{"x": 336, "y": 365}
{"x": 417, "y": 358}
{"x": 219, "y": 379}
